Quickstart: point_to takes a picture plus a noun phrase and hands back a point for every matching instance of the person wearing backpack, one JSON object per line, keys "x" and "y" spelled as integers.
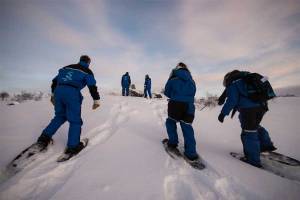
{"x": 125, "y": 83}
{"x": 181, "y": 89}
{"x": 67, "y": 99}
{"x": 248, "y": 93}
{"x": 147, "y": 87}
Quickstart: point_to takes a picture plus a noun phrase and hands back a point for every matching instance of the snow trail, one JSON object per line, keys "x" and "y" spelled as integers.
{"x": 184, "y": 182}
{"x": 126, "y": 160}
{"x": 44, "y": 176}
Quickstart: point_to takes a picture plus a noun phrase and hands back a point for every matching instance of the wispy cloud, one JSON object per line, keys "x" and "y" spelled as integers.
{"x": 229, "y": 30}
{"x": 211, "y": 36}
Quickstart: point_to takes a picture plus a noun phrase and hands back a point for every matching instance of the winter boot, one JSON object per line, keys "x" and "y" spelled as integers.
{"x": 75, "y": 150}
{"x": 244, "y": 159}
{"x": 264, "y": 149}
{"x": 194, "y": 158}
{"x": 172, "y": 147}
{"x": 43, "y": 141}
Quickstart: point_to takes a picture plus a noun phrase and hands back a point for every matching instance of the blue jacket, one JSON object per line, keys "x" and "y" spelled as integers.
{"x": 236, "y": 94}
{"x": 181, "y": 86}
{"x": 147, "y": 84}
{"x": 77, "y": 76}
{"x": 125, "y": 82}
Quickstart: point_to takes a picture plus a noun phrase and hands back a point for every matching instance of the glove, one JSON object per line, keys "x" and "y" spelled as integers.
{"x": 221, "y": 117}
{"x": 52, "y": 100}
{"x": 96, "y": 104}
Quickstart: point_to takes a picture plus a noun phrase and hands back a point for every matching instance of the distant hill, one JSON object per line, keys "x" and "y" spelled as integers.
{"x": 288, "y": 91}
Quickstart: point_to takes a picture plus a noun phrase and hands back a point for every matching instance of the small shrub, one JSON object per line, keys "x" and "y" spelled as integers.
{"x": 4, "y": 96}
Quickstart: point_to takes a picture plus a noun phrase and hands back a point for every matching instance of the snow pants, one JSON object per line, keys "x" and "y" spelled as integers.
{"x": 184, "y": 114}
{"x": 254, "y": 137}
{"x": 67, "y": 108}
{"x": 147, "y": 90}
{"x": 125, "y": 91}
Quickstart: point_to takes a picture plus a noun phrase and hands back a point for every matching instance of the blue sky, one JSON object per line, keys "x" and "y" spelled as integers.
{"x": 149, "y": 37}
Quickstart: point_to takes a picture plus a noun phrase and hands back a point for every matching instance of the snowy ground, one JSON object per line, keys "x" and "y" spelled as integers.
{"x": 125, "y": 158}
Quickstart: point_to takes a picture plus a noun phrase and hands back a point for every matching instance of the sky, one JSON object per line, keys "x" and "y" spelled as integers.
{"x": 143, "y": 37}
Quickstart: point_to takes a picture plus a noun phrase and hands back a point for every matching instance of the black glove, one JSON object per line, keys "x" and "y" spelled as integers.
{"x": 221, "y": 117}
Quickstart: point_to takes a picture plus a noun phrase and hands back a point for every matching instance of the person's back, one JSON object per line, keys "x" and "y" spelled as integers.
{"x": 255, "y": 138}
{"x": 147, "y": 83}
{"x": 67, "y": 99}
{"x": 147, "y": 86}
{"x": 181, "y": 86}
{"x": 125, "y": 83}
{"x": 181, "y": 89}
{"x": 75, "y": 75}
{"x": 126, "y": 80}
{"x": 237, "y": 97}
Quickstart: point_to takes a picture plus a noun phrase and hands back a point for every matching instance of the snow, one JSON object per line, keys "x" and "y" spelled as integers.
{"x": 126, "y": 160}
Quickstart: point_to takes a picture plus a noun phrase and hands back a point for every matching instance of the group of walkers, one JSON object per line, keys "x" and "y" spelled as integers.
{"x": 126, "y": 82}
{"x": 180, "y": 90}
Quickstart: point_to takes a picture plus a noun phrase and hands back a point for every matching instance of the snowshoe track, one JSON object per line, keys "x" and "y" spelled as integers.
{"x": 44, "y": 177}
{"x": 184, "y": 182}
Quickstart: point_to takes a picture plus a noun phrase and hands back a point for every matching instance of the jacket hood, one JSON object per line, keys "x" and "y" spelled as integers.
{"x": 183, "y": 74}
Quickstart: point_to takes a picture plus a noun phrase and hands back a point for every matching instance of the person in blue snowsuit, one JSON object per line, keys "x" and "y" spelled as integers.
{"x": 125, "y": 83}
{"x": 147, "y": 87}
{"x": 67, "y": 99}
{"x": 254, "y": 137}
{"x": 181, "y": 90}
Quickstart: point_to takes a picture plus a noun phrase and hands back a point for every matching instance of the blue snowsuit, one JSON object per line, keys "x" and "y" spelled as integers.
{"x": 66, "y": 87}
{"x": 254, "y": 137}
{"x": 125, "y": 82}
{"x": 181, "y": 89}
{"x": 147, "y": 87}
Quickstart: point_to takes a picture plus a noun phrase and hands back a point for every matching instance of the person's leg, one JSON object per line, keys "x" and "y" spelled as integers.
{"x": 149, "y": 92}
{"x": 265, "y": 141}
{"x": 188, "y": 131}
{"x": 189, "y": 140}
{"x": 123, "y": 91}
{"x": 145, "y": 92}
{"x": 249, "y": 136}
{"x": 59, "y": 118}
{"x": 251, "y": 146}
{"x": 127, "y": 91}
{"x": 74, "y": 118}
{"x": 172, "y": 132}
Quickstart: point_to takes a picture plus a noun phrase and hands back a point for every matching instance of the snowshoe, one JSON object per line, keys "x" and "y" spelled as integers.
{"x": 175, "y": 153}
{"x": 29, "y": 154}
{"x": 276, "y": 163}
{"x": 172, "y": 150}
{"x": 71, "y": 152}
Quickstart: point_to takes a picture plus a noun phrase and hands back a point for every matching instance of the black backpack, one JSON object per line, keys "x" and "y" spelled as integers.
{"x": 259, "y": 88}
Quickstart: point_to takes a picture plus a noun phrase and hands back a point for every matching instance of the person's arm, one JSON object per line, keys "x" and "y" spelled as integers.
{"x": 232, "y": 99}
{"x": 129, "y": 80}
{"x": 91, "y": 83}
{"x": 94, "y": 92}
{"x": 222, "y": 98}
{"x": 168, "y": 88}
{"x": 54, "y": 84}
